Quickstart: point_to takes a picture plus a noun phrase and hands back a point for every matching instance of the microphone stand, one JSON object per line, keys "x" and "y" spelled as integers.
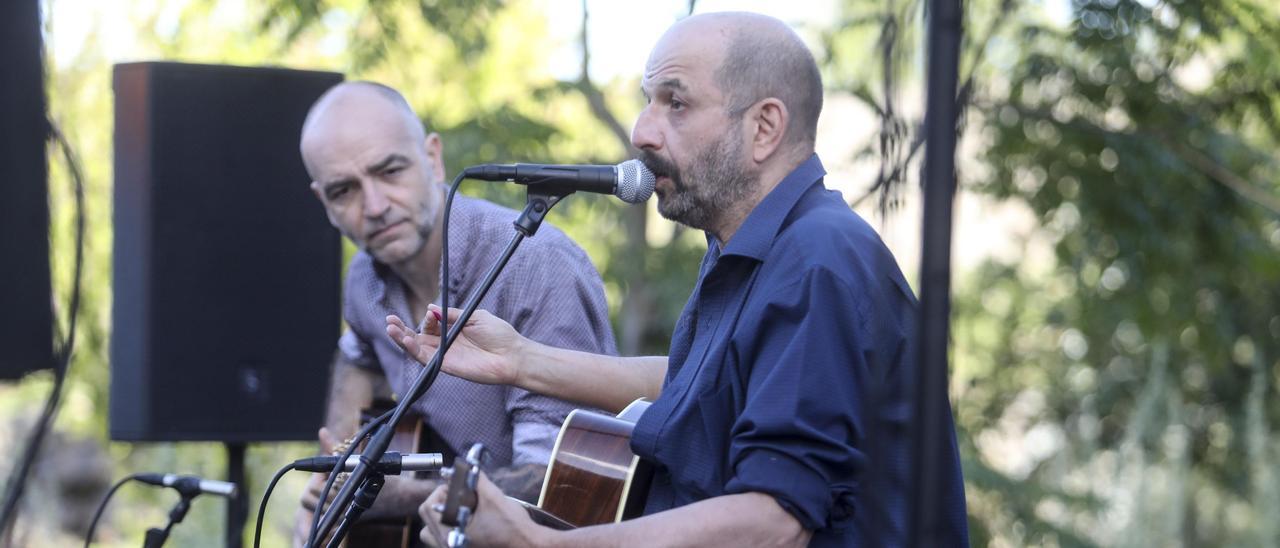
{"x": 539, "y": 200}
{"x": 363, "y": 501}
{"x": 156, "y": 537}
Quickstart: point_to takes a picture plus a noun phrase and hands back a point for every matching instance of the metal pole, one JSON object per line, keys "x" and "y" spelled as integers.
{"x": 931, "y": 436}
{"x": 237, "y": 506}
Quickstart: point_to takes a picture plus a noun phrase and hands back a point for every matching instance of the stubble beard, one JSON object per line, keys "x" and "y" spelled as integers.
{"x": 717, "y": 182}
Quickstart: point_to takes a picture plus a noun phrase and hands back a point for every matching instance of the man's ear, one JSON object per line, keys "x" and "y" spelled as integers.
{"x": 768, "y": 119}
{"x": 434, "y": 148}
{"x": 315, "y": 189}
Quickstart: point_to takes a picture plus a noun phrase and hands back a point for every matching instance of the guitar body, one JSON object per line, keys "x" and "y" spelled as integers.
{"x": 593, "y": 476}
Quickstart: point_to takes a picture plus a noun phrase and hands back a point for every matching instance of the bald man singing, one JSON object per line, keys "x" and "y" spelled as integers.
{"x": 780, "y": 414}
{"x": 379, "y": 175}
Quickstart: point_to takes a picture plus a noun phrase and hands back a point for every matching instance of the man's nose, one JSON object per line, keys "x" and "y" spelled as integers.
{"x": 375, "y": 200}
{"x": 645, "y": 135}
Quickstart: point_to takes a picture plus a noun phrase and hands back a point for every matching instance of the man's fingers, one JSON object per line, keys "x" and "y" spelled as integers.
{"x": 310, "y": 499}
{"x": 427, "y": 510}
{"x": 396, "y": 321}
{"x": 396, "y": 328}
{"x": 433, "y": 532}
{"x": 421, "y": 347}
{"x": 488, "y": 489}
{"x": 434, "y": 311}
{"x": 311, "y": 493}
{"x": 327, "y": 441}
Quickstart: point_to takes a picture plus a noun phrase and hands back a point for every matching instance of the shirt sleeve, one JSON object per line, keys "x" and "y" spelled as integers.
{"x": 357, "y": 351}
{"x": 801, "y": 436}
{"x": 562, "y": 304}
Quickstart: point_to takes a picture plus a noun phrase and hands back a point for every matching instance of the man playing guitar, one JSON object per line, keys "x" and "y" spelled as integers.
{"x": 779, "y": 416}
{"x": 379, "y": 175}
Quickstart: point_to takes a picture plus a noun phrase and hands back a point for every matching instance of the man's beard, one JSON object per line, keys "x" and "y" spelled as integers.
{"x": 717, "y": 182}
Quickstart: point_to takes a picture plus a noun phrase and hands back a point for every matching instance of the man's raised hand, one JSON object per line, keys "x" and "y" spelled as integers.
{"x": 486, "y": 351}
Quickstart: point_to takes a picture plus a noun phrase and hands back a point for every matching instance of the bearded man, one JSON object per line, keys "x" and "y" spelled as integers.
{"x": 780, "y": 414}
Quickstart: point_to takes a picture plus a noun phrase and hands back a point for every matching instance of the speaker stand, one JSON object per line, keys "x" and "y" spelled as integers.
{"x": 237, "y": 506}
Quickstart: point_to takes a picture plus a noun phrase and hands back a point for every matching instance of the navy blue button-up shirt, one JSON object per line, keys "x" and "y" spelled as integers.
{"x": 791, "y": 373}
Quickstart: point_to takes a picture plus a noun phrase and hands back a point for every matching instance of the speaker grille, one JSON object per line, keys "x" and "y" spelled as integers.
{"x": 227, "y": 297}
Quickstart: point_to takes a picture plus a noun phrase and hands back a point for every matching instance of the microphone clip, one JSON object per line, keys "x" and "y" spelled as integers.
{"x": 538, "y": 202}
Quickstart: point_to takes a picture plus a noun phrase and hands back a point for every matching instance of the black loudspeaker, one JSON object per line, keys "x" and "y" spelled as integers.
{"x": 26, "y": 315}
{"x": 226, "y": 271}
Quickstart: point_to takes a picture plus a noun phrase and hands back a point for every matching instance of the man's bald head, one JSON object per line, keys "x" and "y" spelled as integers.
{"x": 762, "y": 57}
{"x": 351, "y": 104}
{"x": 375, "y": 169}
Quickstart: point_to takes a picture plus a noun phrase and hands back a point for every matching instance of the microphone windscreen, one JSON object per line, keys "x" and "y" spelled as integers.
{"x": 635, "y": 182}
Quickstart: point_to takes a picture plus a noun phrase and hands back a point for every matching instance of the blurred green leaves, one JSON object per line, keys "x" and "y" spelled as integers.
{"x": 1142, "y": 147}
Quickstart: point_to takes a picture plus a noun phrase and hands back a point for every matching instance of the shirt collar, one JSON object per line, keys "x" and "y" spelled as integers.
{"x": 755, "y": 236}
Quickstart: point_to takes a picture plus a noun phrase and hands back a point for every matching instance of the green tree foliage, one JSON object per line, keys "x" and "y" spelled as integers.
{"x": 1122, "y": 391}
{"x": 1144, "y": 363}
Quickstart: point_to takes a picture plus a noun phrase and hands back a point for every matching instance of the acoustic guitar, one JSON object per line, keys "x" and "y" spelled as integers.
{"x": 593, "y": 477}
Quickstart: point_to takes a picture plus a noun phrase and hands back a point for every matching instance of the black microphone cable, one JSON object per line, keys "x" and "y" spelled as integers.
{"x": 444, "y": 268}
{"x": 62, "y": 362}
{"x": 262, "y": 506}
{"x": 102, "y": 506}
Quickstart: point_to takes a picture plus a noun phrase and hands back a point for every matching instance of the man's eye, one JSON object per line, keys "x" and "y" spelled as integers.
{"x": 337, "y": 192}
{"x": 393, "y": 170}
{"x": 677, "y": 104}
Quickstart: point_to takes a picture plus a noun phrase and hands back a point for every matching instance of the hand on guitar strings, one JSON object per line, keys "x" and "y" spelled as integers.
{"x": 496, "y": 521}
{"x": 485, "y": 351}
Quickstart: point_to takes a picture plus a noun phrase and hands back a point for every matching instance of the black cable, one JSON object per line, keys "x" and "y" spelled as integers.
{"x": 262, "y": 506}
{"x": 444, "y": 260}
{"x": 88, "y": 537}
{"x": 62, "y": 363}
{"x": 337, "y": 468}
{"x": 444, "y": 283}
{"x": 77, "y": 175}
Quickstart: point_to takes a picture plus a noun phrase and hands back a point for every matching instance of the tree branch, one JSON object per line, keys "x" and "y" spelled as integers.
{"x": 1206, "y": 165}
{"x": 638, "y": 303}
{"x": 595, "y": 99}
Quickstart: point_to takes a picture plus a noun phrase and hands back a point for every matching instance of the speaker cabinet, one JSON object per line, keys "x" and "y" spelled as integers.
{"x": 26, "y": 315}
{"x": 226, "y": 271}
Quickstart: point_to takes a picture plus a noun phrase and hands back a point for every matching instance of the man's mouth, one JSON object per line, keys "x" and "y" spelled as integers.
{"x": 379, "y": 232}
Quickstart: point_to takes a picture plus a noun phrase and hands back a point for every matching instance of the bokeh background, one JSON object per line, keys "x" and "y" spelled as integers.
{"x": 1116, "y": 328}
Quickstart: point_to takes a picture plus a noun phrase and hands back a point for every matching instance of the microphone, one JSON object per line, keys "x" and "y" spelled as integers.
{"x": 630, "y": 180}
{"x": 391, "y": 463}
{"x": 190, "y": 486}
